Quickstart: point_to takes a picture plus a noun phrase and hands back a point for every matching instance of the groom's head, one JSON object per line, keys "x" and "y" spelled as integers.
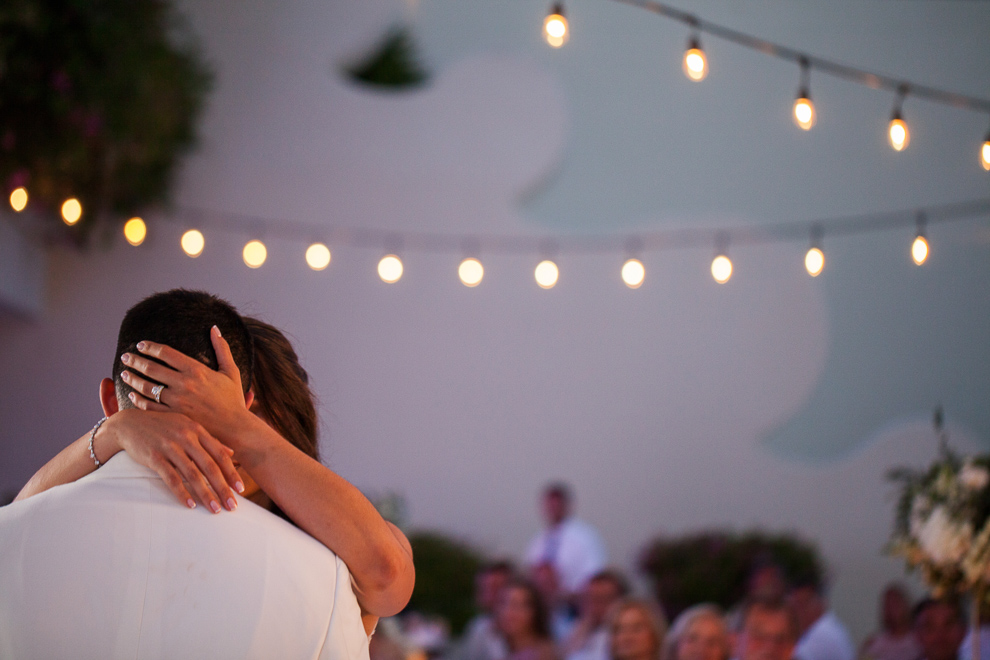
{"x": 182, "y": 320}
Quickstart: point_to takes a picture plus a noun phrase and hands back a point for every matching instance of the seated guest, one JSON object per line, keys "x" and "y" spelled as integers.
{"x": 823, "y": 635}
{"x": 699, "y": 633}
{"x": 636, "y": 630}
{"x": 896, "y": 640}
{"x": 559, "y": 610}
{"x": 589, "y": 638}
{"x": 482, "y": 640}
{"x": 938, "y": 625}
{"x": 522, "y": 620}
{"x": 766, "y": 581}
{"x": 768, "y": 631}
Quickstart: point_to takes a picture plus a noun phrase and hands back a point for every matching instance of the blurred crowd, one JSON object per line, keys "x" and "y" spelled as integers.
{"x": 566, "y": 604}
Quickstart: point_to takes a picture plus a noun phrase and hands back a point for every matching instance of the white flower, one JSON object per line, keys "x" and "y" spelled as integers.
{"x": 974, "y": 477}
{"x": 942, "y": 539}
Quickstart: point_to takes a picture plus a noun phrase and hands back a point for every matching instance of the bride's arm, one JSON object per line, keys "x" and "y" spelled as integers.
{"x": 317, "y": 499}
{"x": 178, "y": 449}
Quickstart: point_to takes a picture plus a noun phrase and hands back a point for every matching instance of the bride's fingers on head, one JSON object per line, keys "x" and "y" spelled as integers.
{"x": 145, "y": 389}
{"x": 225, "y": 360}
{"x": 144, "y": 403}
{"x": 170, "y": 356}
{"x": 139, "y": 364}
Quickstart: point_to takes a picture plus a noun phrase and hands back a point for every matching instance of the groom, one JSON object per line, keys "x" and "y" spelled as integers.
{"x": 111, "y": 566}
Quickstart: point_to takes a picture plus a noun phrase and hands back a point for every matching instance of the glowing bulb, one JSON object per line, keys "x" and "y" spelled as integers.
{"x": 318, "y": 256}
{"x": 814, "y": 261}
{"x": 135, "y": 231}
{"x": 192, "y": 243}
{"x": 471, "y": 271}
{"x": 984, "y": 159}
{"x": 721, "y": 269}
{"x": 390, "y": 269}
{"x": 898, "y": 134}
{"x": 919, "y": 250}
{"x": 71, "y": 211}
{"x": 19, "y": 197}
{"x": 633, "y": 273}
{"x": 555, "y": 26}
{"x": 546, "y": 274}
{"x": 695, "y": 63}
{"x": 804, "y": 112}
{"x": 255, "y": 254}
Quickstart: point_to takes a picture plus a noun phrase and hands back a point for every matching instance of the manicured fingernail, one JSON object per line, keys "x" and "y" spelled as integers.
{"x": 131, "y": 396}
{"x": 126, "y": 358}
{"x": 217, "y": 330}
{"x": 231, "y": 504}
{"x": 190, "y": 503}
{"x": 213, "y": 503}
{"x": 141, "y": 346}
{"x": 239, "y": 487}
{"x": 124, "y": 375}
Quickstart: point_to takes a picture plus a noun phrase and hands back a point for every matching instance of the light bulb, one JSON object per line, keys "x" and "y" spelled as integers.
{"x": 984, "y": 156}
{"x": 695, "y": 62}
{"x": 390, "y": 269}
{"x": 19, "y": 198}
{"x": 471, "y": 271}
{"x": 804, "y": 111}
{"x": 814, "y": 261}
{"x": 318, "y": 256}
{"x": 546, "y": 274}
{"x": 919, "y": 250}
{"x": 633, "y": 273}
{"x": 898, "y": 134}
{"x": 721, "y": 269}
{"x": 255, "y": 254}
{"x": 135, "y": 231}
{"x": 192, "y": 243}
{"x": 71, "y": 211}
{"x": 555, "y": 26}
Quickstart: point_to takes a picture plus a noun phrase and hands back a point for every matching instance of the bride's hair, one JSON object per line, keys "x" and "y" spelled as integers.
{"x": 281, "y": 388}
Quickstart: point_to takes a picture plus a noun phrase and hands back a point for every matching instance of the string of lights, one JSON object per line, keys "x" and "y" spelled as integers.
{"x": 695, "y": 64}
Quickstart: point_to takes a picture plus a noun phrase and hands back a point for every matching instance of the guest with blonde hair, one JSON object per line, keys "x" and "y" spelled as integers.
{"x": 636, "y": 630}
{"x": 699, "y": 633}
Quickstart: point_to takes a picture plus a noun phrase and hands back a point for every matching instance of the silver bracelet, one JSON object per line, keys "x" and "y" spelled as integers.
{"x": 92, "y": 435}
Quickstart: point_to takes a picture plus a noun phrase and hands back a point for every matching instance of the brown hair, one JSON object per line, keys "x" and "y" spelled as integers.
{"x": 281, "y": 388}
{"x": 541, "y": 617}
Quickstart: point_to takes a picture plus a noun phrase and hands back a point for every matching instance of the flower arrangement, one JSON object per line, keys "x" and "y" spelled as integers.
{"x": 942, "y": 524}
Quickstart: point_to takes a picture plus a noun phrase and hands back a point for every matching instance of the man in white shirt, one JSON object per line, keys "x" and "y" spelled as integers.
{"x": 589, "y": 638}
{"x": 571, "y": 546}
{"x": 111, "y": 566}
{"x": 823, "y": 635}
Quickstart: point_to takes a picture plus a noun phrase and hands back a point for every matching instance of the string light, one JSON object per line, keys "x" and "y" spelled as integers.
{"x": 804, "y": 109}
{"x": 471, "y": 271}
{"x": 318, "y": 256}
{"x": 555, "y": 29}
{"x": 919, "y": 248}
{"x": 814, "y": 258}
{"x": 721, "y": 268}
{"x": 192, "y": 243}
{"x": 71, "y": 211}
{"x": 695, "y": 62}
{"x": 633, "y": 273}
{"x": 897, "y": 131}
{"x": 19, "y": 198}
{"x": 546, "y": 274}
{"x": 255, "y": 254}
{"x": 984, "y": 153}
{"x": 135, "y": 231}
{"x": 390, "y": 269}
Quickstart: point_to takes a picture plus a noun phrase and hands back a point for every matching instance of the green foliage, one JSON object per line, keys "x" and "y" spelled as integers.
{"x": 98, "y": 100}
{"x": 391, "y": 64}
{"x": 714, "y": 566}
{"x": 445, "y": 571}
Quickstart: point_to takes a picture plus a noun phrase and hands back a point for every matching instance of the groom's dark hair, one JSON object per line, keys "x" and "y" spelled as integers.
{"x": 182, "y": 319}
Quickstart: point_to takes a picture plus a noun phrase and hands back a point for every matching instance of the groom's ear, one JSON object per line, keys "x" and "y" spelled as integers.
{"x": 249, "y": 398}
{"x": 108, "y": 397}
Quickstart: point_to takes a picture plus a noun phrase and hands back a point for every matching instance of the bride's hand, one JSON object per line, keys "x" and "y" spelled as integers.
{"x": 179, "y": 450}
{"x": 215, "y": 399}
